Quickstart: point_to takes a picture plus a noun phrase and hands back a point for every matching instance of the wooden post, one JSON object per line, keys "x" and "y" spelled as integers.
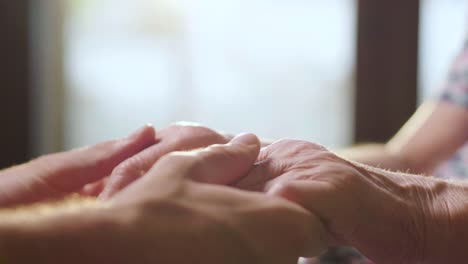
{"x": 387, "y": 67}
{"x": 14, "y": 82}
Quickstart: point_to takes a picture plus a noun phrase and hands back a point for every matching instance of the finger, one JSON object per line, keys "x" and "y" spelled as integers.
{"x": 314, "y": 196}
{"x": 219, "y": 164}
{"x": 275, "y": 161}
{"x": 176, "y": 138}
{"x": 70, "y": 171}
{"x": 93, "y": 189}
{"x": 260, "y": 175}
{"x": 222, "y": 164}
{"x": 320, "y": 198}
{"x": 297, "y": 228}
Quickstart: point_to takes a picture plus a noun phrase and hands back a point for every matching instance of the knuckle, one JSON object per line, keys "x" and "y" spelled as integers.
{"x": 289, "y": 191}
{"x": 99, "y": 156}
{"x": 104, "y": 148}
{"x": 285, "y": 142}
{"x": 130, "y": 166}
{"x": 296, "y": 152}
{"x": 193, "y": 135}
{"x": 329, "y": 159}
{"x": 299, "y": 145}
{"x": 306, "y": 145}
{"x": 102, "y": 165}
{"x": 190, "y": 130}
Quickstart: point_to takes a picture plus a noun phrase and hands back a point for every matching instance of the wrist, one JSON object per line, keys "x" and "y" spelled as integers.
{"x": 63, "y": 235}
{"x": 433, "y": 213}
{"x": 447, "y": 229}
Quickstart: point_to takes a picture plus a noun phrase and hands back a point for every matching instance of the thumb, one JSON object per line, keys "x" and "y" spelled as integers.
{"x": 225, "y": 164}
{"x": 217, "y": 164}
{"x": 317, "y": 197}
{"x": 320, "y": 198}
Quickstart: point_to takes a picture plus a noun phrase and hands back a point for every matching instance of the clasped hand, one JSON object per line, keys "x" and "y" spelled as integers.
{"x": 291, "y": 199}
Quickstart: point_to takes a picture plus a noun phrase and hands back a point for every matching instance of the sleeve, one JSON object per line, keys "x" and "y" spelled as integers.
{"x": 455, "y": 89}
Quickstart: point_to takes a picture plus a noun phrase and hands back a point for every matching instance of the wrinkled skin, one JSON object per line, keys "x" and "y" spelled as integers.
{"x": 237, "y": 225}
{"x": 290, "y": 161}
{"x": 360, "y": 206}
{"x": 280, "y": 166}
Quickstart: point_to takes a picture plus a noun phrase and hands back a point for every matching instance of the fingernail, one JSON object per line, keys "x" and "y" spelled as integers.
{"x": 246, "y": 139}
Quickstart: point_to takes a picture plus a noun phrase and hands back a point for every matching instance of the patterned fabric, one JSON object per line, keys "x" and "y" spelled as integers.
{"x": 455, "y": 91}
{"x": 456, "y": 87}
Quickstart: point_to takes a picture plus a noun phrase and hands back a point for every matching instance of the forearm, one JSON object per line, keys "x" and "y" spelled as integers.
{"x": 449, "y": 234}
{"x": 436, "y": 211}
{"x": 375, "y": 155}
{"x": 57, "y": 234}
{"x": 94, "y": 233}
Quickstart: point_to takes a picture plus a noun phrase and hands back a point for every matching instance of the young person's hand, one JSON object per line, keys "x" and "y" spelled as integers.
{"x": 58, "y": 175}
{"x": 180, "y": 137}
{"x": 170, "y": 216}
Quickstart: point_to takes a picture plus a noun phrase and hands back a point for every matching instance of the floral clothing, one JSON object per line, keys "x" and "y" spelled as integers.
{"x": 455, "y": 91}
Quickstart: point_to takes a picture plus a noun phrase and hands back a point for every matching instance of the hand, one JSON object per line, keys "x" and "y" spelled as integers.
{"x": 174, "y": 138}
{"x": 264, "y": 142}
{"x": 57, "y": 175}
{"x": 169, "y": 216}
{"x": 391, "y": 218}
{"x": 236, "y": 226}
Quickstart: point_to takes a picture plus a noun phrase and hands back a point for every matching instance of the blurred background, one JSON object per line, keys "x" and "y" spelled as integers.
{"x": 338, "y": 72}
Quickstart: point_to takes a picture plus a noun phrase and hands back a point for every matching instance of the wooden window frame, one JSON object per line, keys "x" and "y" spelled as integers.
{"x": 15, "y": 92}
{"x": 31, "y": 79}
{"x": 386, "y": 76}
{"x": 387, "y": 67}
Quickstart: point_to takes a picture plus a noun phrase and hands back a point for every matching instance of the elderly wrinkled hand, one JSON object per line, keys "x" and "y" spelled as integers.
{"x": 390, "y": 217}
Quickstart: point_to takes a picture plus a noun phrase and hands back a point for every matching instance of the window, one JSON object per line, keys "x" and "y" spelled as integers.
{"x": 276, "y": 68}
